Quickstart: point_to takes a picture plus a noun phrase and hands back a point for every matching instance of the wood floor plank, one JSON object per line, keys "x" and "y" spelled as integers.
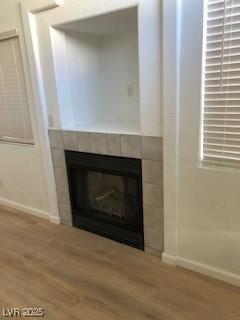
{"x": 74, "y": 274}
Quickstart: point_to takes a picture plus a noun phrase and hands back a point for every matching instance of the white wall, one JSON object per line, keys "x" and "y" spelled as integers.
{"x": 205, "y": 221}
{"x": 61, "y": 69}
{"x": 21, "y": 167}
{"x": 84, "y": 77}
{"x": 100, "y": 70}
{"x": 170, "y": 125}
{"x": 150, "y": 66}
{"x": 119, "y": 69}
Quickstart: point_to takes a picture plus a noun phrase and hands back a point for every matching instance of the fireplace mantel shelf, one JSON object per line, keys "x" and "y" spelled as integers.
{"x": 117, "y": 127}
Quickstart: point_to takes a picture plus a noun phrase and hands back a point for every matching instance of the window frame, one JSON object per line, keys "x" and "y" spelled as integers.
{"x": 222, "y": 163}
{"x": 7, "y": 35}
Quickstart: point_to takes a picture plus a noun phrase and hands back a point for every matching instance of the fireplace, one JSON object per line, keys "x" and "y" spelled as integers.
{"x": 106, "y": 196}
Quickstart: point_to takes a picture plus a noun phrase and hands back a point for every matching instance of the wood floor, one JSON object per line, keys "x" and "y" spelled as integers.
{"x": 73, "y": 274}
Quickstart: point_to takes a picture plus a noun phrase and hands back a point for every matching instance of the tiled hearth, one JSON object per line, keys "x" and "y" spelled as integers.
{"x": 149, "y": 149}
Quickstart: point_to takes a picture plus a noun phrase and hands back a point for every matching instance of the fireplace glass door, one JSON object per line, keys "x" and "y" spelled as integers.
{"x": 106, "y": 200}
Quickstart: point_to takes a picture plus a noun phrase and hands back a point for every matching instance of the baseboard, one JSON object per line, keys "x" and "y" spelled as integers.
{"x": 26, "y": 209}
{"x": 54, "y": 219}
{"x": 220, "y": 274}
{"x": 207, "y": 270}
{"x": 167, "y": 258}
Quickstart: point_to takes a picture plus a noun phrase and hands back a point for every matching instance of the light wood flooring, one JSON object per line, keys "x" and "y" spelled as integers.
{"x": 74, "y": 274}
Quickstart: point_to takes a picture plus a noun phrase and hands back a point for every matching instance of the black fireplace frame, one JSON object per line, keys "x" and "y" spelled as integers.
{"x": 112, "y": 165}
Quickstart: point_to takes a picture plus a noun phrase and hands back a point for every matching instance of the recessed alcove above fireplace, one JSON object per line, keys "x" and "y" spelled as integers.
{"x": 96, "y": 71}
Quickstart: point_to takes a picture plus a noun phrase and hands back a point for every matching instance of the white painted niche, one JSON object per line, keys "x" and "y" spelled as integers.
{"x": 96, "y": 69}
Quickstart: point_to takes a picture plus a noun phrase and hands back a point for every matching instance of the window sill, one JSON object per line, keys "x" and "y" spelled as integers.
{"x": 218, "y": 168}
{"x": 16, "y": 142}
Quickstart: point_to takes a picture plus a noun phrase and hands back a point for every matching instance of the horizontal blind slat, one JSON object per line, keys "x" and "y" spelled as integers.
{"x": 215, "y": 146}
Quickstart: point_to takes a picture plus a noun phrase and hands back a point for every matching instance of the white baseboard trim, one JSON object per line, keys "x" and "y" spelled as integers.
{"x": 55, "y": 219}
{"x": 207, "y": 270}
{"x": 220, "y": 274}
{"x": 167, "y": 258}
{"x": 20, "y": 207}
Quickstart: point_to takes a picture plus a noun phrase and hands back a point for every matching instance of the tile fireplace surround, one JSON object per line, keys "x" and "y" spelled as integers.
{"x": 149, "y": 149}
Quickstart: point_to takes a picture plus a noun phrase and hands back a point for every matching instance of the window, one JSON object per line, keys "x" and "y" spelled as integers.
{"x": 15, "y": 122}
{"x": 221, "y": 83}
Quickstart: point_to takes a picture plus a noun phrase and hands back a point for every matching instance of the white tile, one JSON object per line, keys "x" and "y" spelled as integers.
{"x": 152, "y": 171}
{"x": 98, "y": 143}
{"x": 114, "y": 144}
{"x": 152, "y": 148}
{"x": 131, "y": 146}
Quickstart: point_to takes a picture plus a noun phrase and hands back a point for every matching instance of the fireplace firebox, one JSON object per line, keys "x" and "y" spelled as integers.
{"x": 106, "y": 196}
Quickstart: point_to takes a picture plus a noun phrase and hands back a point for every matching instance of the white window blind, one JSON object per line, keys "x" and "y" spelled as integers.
{"x": 15, "y": 122}
{"x": 221, "y": 84}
